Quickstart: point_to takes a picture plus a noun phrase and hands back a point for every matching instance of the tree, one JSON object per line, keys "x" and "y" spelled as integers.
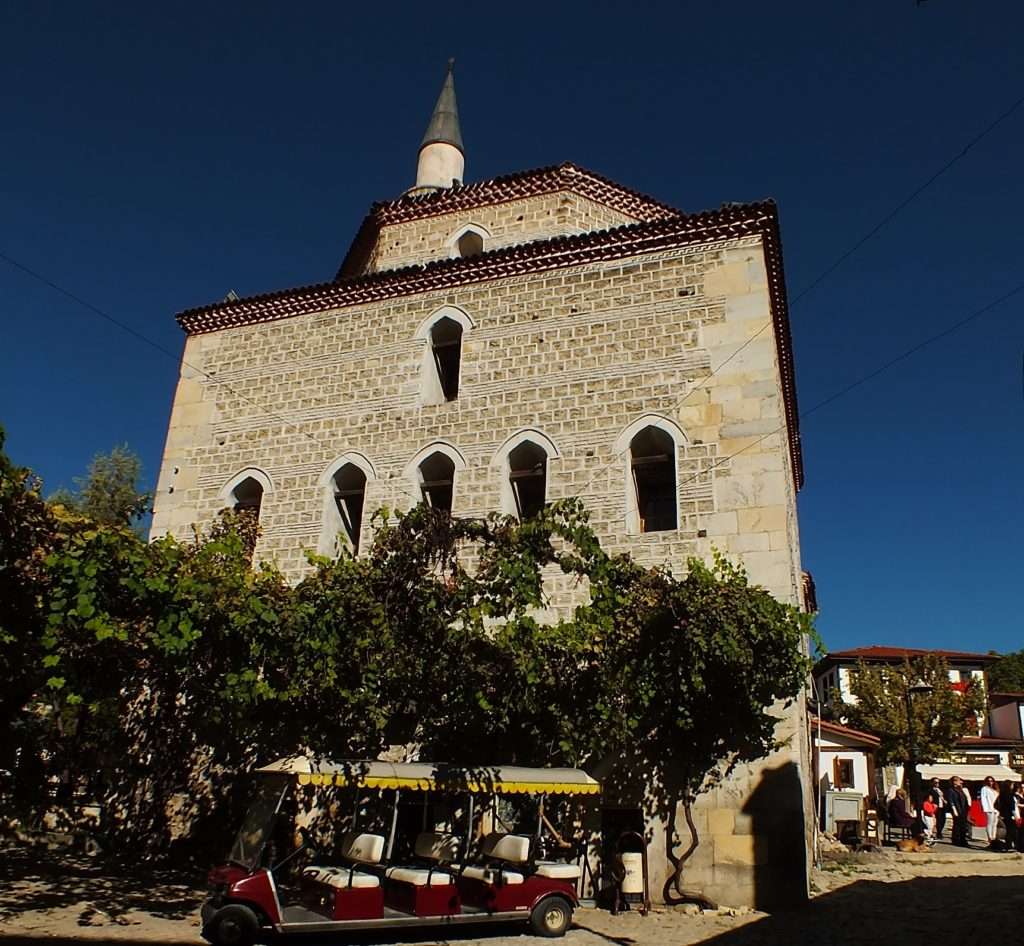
{"x": 1006, "y": 675}
{"x": 940, "y": 717}
{"x": 109, "y": 493}
{"x": 27, "y": 534}
{"x": 164, "y": 672}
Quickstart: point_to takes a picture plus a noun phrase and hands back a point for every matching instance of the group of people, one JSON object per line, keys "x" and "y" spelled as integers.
{"x": 993, "y": 805}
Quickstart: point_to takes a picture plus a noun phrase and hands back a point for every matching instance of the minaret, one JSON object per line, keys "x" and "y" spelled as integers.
{"x": 441, "y": 160}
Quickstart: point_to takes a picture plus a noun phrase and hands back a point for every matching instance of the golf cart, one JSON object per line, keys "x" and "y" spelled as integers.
{"x": 394, "y": 862}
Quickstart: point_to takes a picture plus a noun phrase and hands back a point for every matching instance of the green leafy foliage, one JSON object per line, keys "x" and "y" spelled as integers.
{"x": 1006, "y": 675}
{"x": 155, "y": 674}
{"x": 109, "y": 494}
{"x": 940, "y": 717}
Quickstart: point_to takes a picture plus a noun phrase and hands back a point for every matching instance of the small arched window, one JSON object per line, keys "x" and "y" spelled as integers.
{"x": 437, "y": 481}
{"x": 652, "y": 461}
{"x": 528, "y": 477}
{"x": 349, "y": 495}
{"x": 446, "y": 348}
{"x": 247, "y": 497}
{"x": 470, "y": 243}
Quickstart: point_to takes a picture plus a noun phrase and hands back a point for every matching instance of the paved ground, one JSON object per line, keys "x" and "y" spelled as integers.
{"x": 946, "y": 895}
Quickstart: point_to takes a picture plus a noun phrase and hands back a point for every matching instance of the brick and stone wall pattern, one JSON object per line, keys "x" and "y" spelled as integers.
{"x": 577, "y": 354}
{"x": 563, "y": 213}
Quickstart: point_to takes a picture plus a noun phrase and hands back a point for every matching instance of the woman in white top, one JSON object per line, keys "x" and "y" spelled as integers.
{"x": 989, "y": 794}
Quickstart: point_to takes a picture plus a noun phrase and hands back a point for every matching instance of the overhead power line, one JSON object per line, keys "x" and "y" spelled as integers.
{"x": 864, "y": 379}
{"x": 877, "y": 228}
{"x": 842, "y": 258}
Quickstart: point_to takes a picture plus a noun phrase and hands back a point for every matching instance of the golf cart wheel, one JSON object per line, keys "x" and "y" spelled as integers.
{"x": 235, "y": 925}
{"x": 551, "y": 917}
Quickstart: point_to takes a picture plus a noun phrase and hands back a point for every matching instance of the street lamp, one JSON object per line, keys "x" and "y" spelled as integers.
{"x": 919, "y": 687}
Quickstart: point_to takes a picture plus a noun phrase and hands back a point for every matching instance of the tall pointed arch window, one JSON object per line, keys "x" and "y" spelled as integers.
{"x": 247, "y": 497}
{"x": 349, "y": 485}
{"x": 528, "y": 478}
{"x": 446, "y": 349}
{"x": 442, "y": 334}
{"x": 652, "y": 462}
{"x": 437, "y": 481}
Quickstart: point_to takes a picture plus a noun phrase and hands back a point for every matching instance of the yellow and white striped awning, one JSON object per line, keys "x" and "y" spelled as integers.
{"x": 425, "y": 776}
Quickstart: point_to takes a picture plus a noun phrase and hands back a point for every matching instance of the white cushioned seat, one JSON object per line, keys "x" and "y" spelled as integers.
{"x": 557, "y": 870}
{"x": 514, "y": 848}
{"x": 362, "y": 848}
{"x": 434, "y": 846}
{"x": 419, "y": 876}
{"x": 340, "y": 877}
{"x": 491, "y": 875}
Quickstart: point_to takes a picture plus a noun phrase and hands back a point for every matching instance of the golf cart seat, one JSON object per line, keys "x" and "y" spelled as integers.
{"x": 339, "y": 877}
{"x": 425, "y": 890}
{"x": 558, "y": 870}
{"x": 352, "y": 894}
{"x": 512, "y": 849}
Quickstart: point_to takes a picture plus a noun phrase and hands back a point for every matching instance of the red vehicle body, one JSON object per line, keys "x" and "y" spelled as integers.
{"x": 446, "y": 884}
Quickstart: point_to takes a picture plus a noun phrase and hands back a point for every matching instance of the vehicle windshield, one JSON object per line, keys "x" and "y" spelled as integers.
{"x": 259, "y": 823}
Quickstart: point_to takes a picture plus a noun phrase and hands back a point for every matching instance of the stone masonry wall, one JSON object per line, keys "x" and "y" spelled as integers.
{"x": 521, "y": 221}
{"x": 579, "y": 355}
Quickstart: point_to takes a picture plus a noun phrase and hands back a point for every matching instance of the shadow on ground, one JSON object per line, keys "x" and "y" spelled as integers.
{"x": 35, "y": 879}
{"x": 922, "y": 911}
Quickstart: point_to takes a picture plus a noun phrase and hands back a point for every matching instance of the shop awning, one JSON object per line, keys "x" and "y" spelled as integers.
{"x": 969, "y": 773}
{"x": 426, "y": 776}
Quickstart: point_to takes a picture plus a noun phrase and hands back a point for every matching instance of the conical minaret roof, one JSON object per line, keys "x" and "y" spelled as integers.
{"x": 444, "y": 123}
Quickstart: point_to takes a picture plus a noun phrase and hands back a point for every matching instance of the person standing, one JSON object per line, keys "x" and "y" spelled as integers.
{"x": 938, "y": 799}
{"x": 1018, "y": 814}
{"x": 989, "y": 796}
{"x": 959, "y": 809}
{"x": 1006, "y": 805}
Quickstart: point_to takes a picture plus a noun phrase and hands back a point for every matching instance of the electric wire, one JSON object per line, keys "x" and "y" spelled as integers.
{"x": 877, "y": 228}
{"x": 864, "y": 379}
{"x": 842, "y": 258}
{"x": 179, "y": 359}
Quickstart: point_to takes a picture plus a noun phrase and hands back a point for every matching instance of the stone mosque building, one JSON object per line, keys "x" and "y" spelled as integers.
{"x": 500, "y": 344}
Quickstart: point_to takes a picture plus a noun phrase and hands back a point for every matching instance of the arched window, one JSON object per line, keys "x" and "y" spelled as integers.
{"x": 247, "y": 497}
{"x": 442, "y": 334}
{"x": 470, "y": 240}
{"x": 652, "y": 462}
{"x": 343, "y": 487}
{"x": 470, "y": 243}
{"x": 528, "y": 477}
{"x": 446, "y": 348}
{"x": 349, "y": 485}
{"x": 437, "y": 481}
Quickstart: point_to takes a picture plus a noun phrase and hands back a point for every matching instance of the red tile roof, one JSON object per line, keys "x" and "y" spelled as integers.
{"x": 729, "y": 222}
{"x": 566, "y": 176}
{"x": 993, "y": 741}
{"x": 879, "y": 654}
{"x": 837, "y": 729}
{"x": 498, "y": 190}
{"x": 547, "y": 180}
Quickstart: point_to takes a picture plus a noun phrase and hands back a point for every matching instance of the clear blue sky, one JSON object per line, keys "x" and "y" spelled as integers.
{"x": 154, "y": 157}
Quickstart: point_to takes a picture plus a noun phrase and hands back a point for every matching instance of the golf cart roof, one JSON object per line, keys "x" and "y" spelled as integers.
{"x": 430, "y": 776}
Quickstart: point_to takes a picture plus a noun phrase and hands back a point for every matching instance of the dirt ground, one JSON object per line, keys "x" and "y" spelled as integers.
{"x": 886, "y": 897}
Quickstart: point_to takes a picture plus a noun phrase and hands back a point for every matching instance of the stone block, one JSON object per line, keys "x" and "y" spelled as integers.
{"x": 720, "y": 524}
{"x": 736, "y": 849}
{"x": 721, "y": 821}
{"x": 750, "y": 305}
{"x": 731, "y": 278}
{"x": 762, "y": 519}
